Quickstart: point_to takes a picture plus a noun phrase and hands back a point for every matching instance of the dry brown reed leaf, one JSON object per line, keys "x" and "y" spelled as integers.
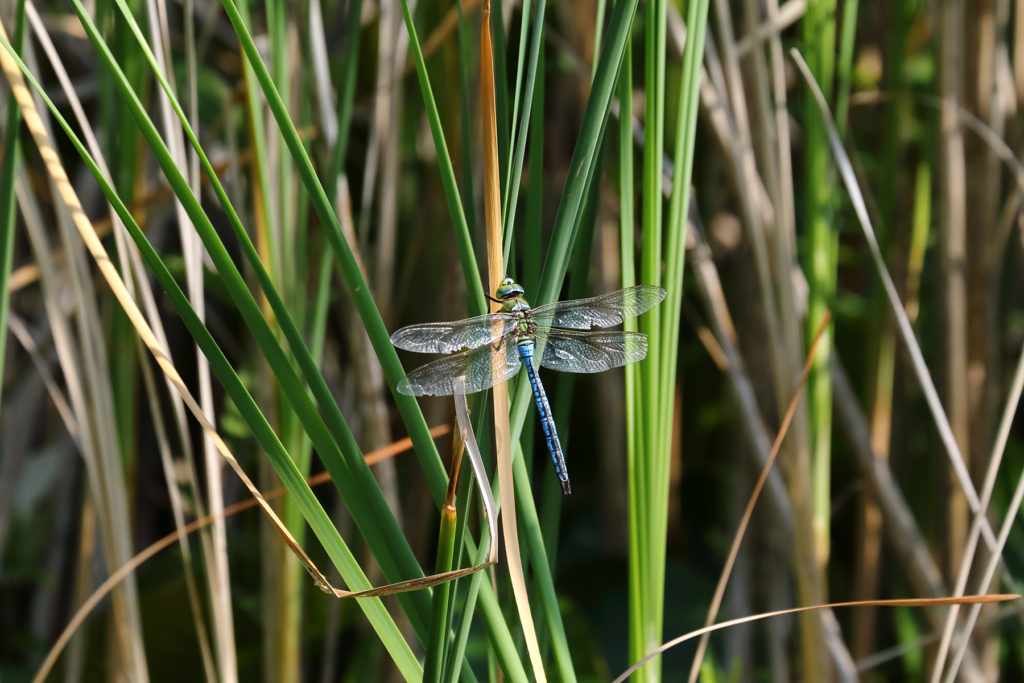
{"x": 496, "y": 273}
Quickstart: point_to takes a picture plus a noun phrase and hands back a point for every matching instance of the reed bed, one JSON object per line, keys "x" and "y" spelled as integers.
{"x": 213, "y": 215}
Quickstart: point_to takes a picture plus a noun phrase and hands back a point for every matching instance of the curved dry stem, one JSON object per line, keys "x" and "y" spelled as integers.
{"x": 723, "y": 580}
{"x": 476, "y": 461}
{"x": 907, "y": 602}
{"x": 141, "y": 558}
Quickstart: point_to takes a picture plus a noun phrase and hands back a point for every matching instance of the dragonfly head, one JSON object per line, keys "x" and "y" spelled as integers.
{"x": 509, "y": 289}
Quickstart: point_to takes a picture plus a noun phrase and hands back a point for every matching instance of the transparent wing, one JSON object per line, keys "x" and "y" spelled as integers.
{"x": 606, "y": 310}
{"x": 454, "y": 336}
{"x": 435, "y": 378}
{"x": 575, "y": 351}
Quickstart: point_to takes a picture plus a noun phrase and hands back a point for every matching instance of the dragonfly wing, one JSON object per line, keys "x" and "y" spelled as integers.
{"x": 575, "y": 351}
{"x": 606, "y": 310}
{"x": 474, "y": 366}
{"x": 454, "y": 336}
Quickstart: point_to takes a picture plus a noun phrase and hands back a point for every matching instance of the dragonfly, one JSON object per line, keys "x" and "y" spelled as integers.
{"x": 490, "y": 349}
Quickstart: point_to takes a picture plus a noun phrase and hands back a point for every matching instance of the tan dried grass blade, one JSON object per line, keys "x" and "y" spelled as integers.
{"x": 906, "y": 602}
{"x": 496, "y": 273}
{"x": 476, "y": 461}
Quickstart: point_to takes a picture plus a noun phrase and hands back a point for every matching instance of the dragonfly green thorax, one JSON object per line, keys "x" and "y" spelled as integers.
{"x": 490, "y": 349}
{"x": 512, "y": 297}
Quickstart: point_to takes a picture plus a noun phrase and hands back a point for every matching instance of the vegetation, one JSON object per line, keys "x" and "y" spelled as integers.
{"x": 212, "y": 215}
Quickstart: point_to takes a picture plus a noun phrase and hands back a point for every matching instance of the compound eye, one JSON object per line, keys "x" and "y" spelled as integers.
{"x": 507, "y": 281}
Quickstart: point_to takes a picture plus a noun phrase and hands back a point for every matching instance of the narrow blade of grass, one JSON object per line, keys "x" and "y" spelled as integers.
{"x": 8, "y": 215}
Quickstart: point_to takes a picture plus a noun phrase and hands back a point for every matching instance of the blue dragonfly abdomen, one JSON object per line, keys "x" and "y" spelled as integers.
{"x": 547, "y": 421}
